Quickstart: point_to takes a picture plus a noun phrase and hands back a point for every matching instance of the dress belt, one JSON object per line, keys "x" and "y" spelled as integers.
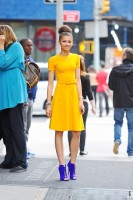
{"x": 66, "y": 83}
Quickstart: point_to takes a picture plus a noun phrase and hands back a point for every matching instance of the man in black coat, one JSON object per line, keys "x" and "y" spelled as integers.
{"x": 121, "y": 82}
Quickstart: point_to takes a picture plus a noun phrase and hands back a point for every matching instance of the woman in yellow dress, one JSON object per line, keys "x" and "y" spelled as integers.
{"x": 67, "y": 107}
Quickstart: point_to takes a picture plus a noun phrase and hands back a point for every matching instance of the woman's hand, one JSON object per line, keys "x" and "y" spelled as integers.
{"x": 94, "y": 110}
{"x": 81, "y": 107}
{"x": 49, "y": 111}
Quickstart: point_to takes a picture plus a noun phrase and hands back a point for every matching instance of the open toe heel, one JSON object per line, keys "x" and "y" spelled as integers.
{"x": 63, "y": 173}
{"x": 71, "y": 171}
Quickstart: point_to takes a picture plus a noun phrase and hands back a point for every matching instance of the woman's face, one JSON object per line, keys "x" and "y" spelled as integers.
{"x": 66, "y": 43}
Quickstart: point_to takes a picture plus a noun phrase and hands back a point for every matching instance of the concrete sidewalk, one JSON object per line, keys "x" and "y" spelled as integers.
{"x": 110, "y": 177}
{"x": 101, "y": 175}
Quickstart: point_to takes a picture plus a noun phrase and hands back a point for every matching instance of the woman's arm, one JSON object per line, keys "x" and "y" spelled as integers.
{"x": 89, "y": 94}
{"x": 8, "y": 57}
{"x": 79, "y": 89}
{"x": 49, "y": 92}
{"x": 87, "y": 88}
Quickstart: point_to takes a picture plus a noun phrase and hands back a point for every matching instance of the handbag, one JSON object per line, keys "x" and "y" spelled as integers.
{"x": 31, "y": 74}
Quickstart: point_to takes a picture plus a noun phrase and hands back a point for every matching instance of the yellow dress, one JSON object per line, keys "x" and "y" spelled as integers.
{"x": 65, "y": 103}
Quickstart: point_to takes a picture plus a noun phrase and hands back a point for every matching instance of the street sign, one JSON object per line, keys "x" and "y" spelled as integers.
{"x": 45, "y": 39}
{"x": 90, "y": 29}
{"x": 64, "y": 1}
{"x": 71, "y": 16}
{"x": 86, "y": 46}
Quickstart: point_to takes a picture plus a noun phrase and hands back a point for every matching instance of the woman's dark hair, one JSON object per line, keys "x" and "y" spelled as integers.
{"x": 64, "y": 30}
{"x": 128, "y": 53}
{"x": 82, "y": 63}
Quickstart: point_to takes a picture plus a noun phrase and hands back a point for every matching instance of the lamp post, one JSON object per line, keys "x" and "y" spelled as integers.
{"x": 96, "y": 36}
{"x": 59, "y": 21}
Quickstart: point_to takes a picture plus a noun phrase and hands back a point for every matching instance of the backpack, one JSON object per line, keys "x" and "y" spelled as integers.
{"x": 31, "y": 74}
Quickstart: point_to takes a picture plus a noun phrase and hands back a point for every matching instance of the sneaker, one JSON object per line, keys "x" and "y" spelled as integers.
{"x": 130, "y": 157}
{"x": 18, "y": 169}
{"x": 83, "y": 153}
{"x": 116, "y": 148}
{"x": 30, "y": 154}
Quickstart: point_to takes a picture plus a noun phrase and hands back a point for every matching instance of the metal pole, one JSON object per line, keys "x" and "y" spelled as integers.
{"x": 125, "y": 37}
{"x": 59, "y": 21}
{"x": 96, "y": 37}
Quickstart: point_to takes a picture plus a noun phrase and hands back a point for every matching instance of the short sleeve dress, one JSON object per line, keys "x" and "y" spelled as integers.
{"x": 65, "y": 103}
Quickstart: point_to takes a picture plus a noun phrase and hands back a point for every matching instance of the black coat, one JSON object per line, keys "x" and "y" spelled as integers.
{"x": 121, "y": 82}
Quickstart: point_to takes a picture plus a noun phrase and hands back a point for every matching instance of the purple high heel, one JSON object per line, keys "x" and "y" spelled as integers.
{"x": 63, "y": 173}
{"x": 71, "y": 171}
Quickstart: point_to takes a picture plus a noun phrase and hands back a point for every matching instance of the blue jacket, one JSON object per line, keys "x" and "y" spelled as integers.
{"x": 13, "y": 88}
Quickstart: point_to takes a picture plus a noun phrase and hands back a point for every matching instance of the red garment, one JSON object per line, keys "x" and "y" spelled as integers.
{"x": 101, "y": 78}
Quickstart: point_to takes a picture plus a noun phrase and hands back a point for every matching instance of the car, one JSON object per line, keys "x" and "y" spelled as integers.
{"x": 41, "y": 95}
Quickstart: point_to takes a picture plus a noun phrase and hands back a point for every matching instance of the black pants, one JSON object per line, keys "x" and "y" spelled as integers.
{"x": 83, "y": 133}
{"x": 13, "y": 135}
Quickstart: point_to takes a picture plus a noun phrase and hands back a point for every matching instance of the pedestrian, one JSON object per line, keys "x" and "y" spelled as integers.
{"x": 66, "y": 109}
{"x": 92, "y": 73}
{"x": 102, "y": 89}
{"x": 120, "y": 82}
{"x": 27, "y": 45}
{"x": 87, "y": 93}
{"x": 14, "y": 94}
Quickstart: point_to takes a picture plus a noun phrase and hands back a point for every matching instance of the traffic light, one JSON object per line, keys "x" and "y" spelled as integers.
{"x": 86, "y": 46}
{"x": 105, "y": 6}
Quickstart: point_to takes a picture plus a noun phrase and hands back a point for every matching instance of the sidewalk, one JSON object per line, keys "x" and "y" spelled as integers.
{"x": 101, "y": 174}
{"x": 95, "y": 177}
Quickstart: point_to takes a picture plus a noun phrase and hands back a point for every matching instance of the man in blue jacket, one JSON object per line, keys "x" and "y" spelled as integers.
{"x": 27, "y": 45}
{"x": 121, "y": 82}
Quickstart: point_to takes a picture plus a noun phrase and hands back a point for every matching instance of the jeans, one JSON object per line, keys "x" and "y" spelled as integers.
{"x": 101, "y": 96}
{"x": 118, "y": 118}
{"x": 27, "y": 116}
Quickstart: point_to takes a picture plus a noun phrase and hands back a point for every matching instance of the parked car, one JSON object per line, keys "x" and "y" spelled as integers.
{"x": 41, "y": 96}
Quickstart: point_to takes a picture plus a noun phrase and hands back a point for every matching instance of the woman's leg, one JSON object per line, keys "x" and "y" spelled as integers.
{"x": 18, "y": 136}
{"x": 59, "y": 146}
{"x": 7, "y": 138}
{"x": 83, "y": 133}
{"x": 69, "y": 138}
{"x": 74, "y": 150}
{"x": 74, "y": 146}
{"x": 60, "y": 155}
